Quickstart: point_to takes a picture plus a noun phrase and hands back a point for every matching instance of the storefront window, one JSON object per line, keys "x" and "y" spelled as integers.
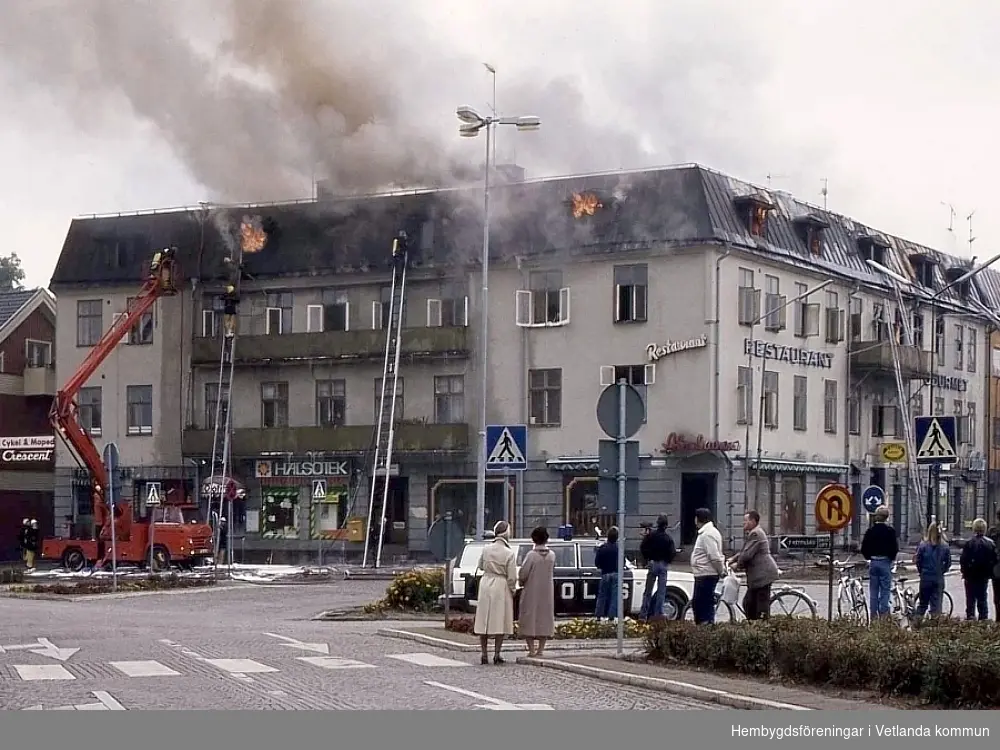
{"x": 459, "y": 497}
{"x": 584, "y": 509}
{"x": 279, "y": 515}
{"x": 793, "y": 509}
{"x": 329, "y": 513}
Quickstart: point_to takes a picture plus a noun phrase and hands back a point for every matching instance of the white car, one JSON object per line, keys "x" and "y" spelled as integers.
{"x": 576, "y": 579}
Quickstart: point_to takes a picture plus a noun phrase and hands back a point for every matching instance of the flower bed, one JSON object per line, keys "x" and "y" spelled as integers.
{"x": 584, "y": 628}
{"x": 946, "y": 662}
{"x": 103, "y": 586}
{"x": 413, "y": 591}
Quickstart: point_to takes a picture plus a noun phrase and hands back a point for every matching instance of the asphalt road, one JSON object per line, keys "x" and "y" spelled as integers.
{"x": 255, "y": 647}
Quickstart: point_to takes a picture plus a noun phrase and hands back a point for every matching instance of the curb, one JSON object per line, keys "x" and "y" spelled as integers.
{"x": 113, "y": 595}
{"x": 509, "y": 645}
{"x": 674, "y": 687}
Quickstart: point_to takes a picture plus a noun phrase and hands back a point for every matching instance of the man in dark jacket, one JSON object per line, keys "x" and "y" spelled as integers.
{"x": 24, "y": 538}
{"x": 879, "y": 547}
{"x": 994, "y": 534}
{"x": 658, "y": 550}
{"x": 606, "y": 560}
{"x": 979, "y": 557}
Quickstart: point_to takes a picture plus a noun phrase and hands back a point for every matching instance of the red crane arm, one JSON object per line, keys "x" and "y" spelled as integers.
{"x": 63, "y": 414}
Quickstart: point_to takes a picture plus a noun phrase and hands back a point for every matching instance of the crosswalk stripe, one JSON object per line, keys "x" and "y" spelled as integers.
{"x": 428, "y": 660}
{"x": 240, "y": 666}
{"x": 143, "y": 669}
{"x": 31, "y": 672}
{"x": 332, "y": 662}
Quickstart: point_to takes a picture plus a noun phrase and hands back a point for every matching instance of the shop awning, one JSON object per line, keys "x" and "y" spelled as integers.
{"x": 786, "y": 466}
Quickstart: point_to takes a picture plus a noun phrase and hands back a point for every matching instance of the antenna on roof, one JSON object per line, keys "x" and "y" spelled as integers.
{"x": 971, "y": 236}
{"x": 825, "y": 191}
{"x": 951, "y": 216}
{"x": 775, "y": 177}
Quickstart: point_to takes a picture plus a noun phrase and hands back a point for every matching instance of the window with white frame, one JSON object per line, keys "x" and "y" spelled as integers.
{"x": 836, "y": 319}
{"x": 939, "y": 345}
{"x": 774, "y": 304}
{"x": 631, "y": 293}
{"x": 883, "y": 420}
{"x": 856, "y": 305}
{"x": 336, "y": 310}
{"x": 800, "y": 402}
{"x": 216, "y": 410}
{"x": 451, "y": 310}
{"x": 142, "y": 331}
{"x": 970, "y": 409}
{"x": 939, "y": 406}
{"x": 917, "y": 405}
{"x": 830, "y": 406}
{"x": 971, "y": 353}
{"x": 853, "y": 415}
{"x": 449, "y": 399}
{"x": 211, "y": 316}
{"x": 90, "y": 410}
{"x": 38, "y": 353}
{"x": 278, "y": 313}
{"x": 806, "y": 314}
{"x": 770, "y": 399}
{"x": 748, "y": 298}
{"x": 397, "y": 413}
{"x": 274, "y": 404}
{"x": 995, "y": 361}
{"x": 331, "y": 403}
{"x": 880, "y": 321}
{"x": 959, "y": 346}
{"x": 546, "y": 303}
{"x": 917, "y": 326}
{"x": 744, "y": 395}
{"x": 139, "y": 406}
{"x": 545, "y": 397}
{"x": 382, "y": 311}
{"x": 639, "y": 377}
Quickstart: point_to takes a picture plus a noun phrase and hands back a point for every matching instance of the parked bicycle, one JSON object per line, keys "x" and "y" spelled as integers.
{"x": 785, "y": 600}
{"x": 903, "y": 600}
{"x": 851, "y": 600}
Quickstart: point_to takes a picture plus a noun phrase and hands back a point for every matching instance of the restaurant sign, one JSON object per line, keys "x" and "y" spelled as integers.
{"x": 791, "y": 354}
{"x": 679, "y": 443}
{"x": 27, "y": 450}
{"x": 659, "y": 351}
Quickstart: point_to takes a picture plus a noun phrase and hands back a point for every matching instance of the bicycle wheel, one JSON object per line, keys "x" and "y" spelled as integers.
{"x": 856, "y": 611}
{"x": 724, "y": 611}
{"x": 947, "y": 605}
{"x": 791, "y": 603}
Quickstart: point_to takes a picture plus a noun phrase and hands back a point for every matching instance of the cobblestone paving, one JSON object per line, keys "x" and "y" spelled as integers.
{"x": 211, "y": 650}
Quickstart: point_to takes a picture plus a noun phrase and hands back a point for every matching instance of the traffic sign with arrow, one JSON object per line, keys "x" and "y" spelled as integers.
{"x": 803, "y": 542}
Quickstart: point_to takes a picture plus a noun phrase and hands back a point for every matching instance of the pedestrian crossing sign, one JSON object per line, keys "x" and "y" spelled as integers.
{"x": 506, "y": 447}
{"x": 935, "y": 440}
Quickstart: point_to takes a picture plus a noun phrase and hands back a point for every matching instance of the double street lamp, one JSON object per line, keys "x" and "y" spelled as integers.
{"x": 763, "y": 374}
{"x": 471, "y": 124}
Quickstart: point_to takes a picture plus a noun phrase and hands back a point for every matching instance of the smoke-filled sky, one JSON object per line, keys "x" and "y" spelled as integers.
{"x": 119, "y": 105}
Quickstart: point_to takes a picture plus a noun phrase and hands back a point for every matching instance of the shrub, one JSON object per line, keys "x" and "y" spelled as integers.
{"x": 104, "y": 586}
{"x": 944, "y": 662}
{"x": 584, "y": 628}
{"x": 416, "y": 589}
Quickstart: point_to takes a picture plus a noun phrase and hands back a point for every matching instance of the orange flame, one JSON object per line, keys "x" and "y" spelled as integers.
{"x": 585, "y": 204}
{"x": 252, "y": 235}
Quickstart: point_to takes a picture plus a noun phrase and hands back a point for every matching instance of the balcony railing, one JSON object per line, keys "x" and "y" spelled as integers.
{"x": 342, "y": 346}
{"x": 39, "y": 381}
{"x": 877, "y": 356}
{"x": 409, "y": 438}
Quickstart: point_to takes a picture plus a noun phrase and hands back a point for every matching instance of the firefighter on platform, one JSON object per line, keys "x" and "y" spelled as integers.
{"x": 399, "y": 249}
{"x": 154, "y": 265}
{"x": 230, "y": 309}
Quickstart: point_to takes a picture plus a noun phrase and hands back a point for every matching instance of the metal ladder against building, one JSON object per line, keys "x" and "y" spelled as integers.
{"x": 903, "y": 399}
{"x": 385, "y": 429}
{"x": 221, "y": 442}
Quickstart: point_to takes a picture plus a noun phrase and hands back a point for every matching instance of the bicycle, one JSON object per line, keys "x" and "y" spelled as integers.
{"x": 784, "y": 596}
{"x": 852, "y": 603}
{"x": 904, "y": 599}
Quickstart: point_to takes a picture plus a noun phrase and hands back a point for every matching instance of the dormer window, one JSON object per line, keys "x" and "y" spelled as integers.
{"x": 923, "y": 270}
{"x": 754, "y": 210}
{"x": 953, "y": 274}
{"x": 872, "y": 248}
{"x": 810, "y": 230}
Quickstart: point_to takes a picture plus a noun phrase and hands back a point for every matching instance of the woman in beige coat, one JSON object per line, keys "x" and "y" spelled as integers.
{"x": 537, "y": 617}
{"x": 495, "y": 600}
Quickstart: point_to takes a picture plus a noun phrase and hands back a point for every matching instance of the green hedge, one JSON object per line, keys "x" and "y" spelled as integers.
{"x": 944, "y": 662}
{"x": 415, "y": 590}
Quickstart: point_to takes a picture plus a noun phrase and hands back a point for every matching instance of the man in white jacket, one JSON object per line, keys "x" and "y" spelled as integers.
{"x": 708, "y": 564}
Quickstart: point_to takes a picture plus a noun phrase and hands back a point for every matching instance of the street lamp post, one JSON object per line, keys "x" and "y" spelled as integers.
{"x": 934, "y": 469}
{"x": 471, "y": 123}
{"x": 763, "y": 372}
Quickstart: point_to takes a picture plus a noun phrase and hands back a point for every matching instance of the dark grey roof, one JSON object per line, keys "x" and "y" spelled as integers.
{"x": 11, "y": 302}
{"x": 674, "y": 206}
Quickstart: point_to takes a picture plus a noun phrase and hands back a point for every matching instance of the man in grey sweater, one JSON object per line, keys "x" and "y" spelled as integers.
{"x": 761, "y": 569}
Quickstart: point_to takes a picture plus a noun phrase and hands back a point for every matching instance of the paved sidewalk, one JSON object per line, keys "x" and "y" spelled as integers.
{"x": 436, "y": 635}
{"x": 705, "y": 686}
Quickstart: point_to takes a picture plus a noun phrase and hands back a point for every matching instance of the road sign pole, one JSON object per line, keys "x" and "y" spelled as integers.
{"x": 447, "y": 570}
{"x": 152, "y": 538}
{"x": 114, "y": 542}
{"x": 621, "y": 440}
{"x": 934, "y": 476}
{"x": 829, "y": 583}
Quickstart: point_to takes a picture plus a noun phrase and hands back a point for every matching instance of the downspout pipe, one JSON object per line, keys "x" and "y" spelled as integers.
{"x": 716, "y": 327}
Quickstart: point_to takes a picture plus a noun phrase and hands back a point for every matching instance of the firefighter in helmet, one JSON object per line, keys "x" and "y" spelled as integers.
{"x": 230, "y": 309}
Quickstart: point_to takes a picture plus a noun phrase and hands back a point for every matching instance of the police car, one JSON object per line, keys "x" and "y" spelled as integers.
{"x": 576, "y": 579}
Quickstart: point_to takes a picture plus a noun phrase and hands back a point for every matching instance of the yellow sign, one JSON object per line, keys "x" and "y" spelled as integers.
{"x": 894, "y": 453}
{"x": 834, "y": 507}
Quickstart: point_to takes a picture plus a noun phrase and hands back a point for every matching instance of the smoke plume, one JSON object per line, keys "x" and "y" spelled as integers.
{"x": 259, "y": 98}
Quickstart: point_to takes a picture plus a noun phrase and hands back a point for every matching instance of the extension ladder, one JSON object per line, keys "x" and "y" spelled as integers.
{"x": 385, "y": 429}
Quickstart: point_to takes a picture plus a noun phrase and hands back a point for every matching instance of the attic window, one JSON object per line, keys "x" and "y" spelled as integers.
{"x": 872, "y": 248}
{"x": 754, "y": 210}
{"x": 923, "y": 270}
{"x": 810, "y": 230}
{"x": 953, "y": 274}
